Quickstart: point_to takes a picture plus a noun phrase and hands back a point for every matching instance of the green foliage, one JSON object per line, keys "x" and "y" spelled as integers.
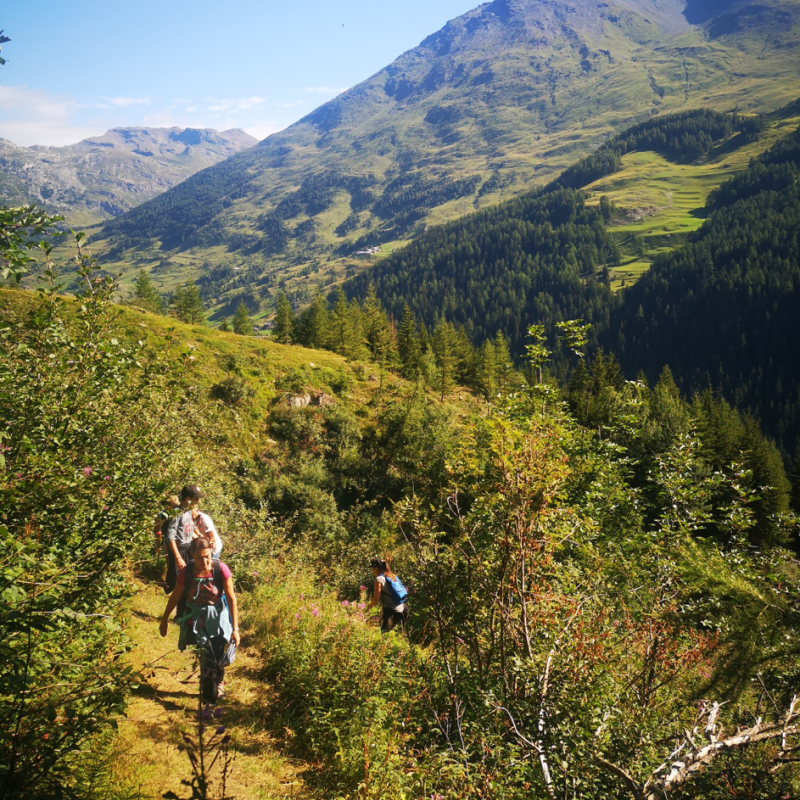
{"x": 346, "y": 694}
{"x": 283, "y": 331}
{"x": 21, "y": 231}
{"x": 242, "y": 324}
{"x": 146, "y": 294}
{"x": 89, "y": 437}
{"x": 187, "y": 305}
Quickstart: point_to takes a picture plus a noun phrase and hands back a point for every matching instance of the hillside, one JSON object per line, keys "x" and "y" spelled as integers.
{"x": 511, "y": 522}
{"x": 102, "y": 177}
{"x": 719, "y": 304}
{"x": 497, "y": 102}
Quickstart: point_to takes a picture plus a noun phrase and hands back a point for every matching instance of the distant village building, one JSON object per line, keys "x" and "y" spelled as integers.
{"x": 370, "y": 251}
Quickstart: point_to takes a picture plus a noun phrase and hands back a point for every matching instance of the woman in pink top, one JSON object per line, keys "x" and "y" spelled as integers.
{"x": 207, "y": 613}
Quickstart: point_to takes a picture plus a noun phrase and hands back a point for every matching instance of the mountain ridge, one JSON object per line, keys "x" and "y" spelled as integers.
{"x": 498, "y": 101}
{"x": 104, "y": 176}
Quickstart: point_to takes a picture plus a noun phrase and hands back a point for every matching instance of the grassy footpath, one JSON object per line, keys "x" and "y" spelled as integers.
{"x": 147, "y": 762}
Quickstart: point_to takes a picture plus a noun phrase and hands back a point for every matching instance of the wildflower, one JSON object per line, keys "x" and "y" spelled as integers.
{"x": 107, "y": 478}
{"x": 297, "y": 616}
{"x": 345, "y": 603}
{"x": 362, "y": 606}
{"x": 255, "y": 573}
{"x": 217, "y": 713}
{"x": 362, "y": 588}
{"x": 302, "y": 597}
{"x": 220, "y": 729}
{"x": 87, "y": 471}
{"x": 19, "y": 474}
{"x": 315, "y": 612}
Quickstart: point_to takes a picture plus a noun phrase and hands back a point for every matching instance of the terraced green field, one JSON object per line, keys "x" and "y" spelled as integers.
{"x": 660, "y": 202}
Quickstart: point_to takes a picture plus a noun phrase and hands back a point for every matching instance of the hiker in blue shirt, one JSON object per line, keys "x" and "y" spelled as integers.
{"x": 390, "y": 594}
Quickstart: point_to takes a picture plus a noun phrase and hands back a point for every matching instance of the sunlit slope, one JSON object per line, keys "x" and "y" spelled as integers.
{"x": 498, "y": 101}
{"x": 659, "y": 202}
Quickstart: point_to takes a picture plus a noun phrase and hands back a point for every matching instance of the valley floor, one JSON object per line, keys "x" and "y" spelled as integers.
{"x": 147, "y": 762}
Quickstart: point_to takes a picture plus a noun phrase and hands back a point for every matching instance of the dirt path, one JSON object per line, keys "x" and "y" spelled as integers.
{"x": 147, "y": 762}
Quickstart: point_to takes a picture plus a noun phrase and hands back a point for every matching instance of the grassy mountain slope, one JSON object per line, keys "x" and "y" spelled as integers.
{"x": 101, "y": 178}
{"x": 723, "y": 310}
{"x": 498, "y": 101}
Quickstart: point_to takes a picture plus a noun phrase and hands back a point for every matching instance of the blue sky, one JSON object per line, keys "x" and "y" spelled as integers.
{"x": 79, "y": 67}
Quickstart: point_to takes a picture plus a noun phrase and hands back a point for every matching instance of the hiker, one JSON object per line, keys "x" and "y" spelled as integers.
{"x": 168, "y": 508}
{"x": 178, "y": 532}
{"x": 208, "y": 616}
{"x": 389, "y": 593}
{"x": 204, "y": 526}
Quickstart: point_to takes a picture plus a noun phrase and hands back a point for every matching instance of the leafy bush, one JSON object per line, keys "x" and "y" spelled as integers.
{"x": 89, "y": 435}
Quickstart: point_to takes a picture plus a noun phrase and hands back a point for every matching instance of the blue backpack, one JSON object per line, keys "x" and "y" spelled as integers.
{"x": 395, "y": 589}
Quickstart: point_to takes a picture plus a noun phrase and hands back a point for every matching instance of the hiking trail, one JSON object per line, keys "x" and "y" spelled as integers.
{"x": 146, "y": 756}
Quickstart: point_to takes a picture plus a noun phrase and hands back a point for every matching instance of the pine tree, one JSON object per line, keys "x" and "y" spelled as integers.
{"x": 187, "y": 305}
{"x": 225, "y": 325}
{"x": 503, "y": 361}
{"x": 146, "y": 294}
{"x": 313, "y": 329}
{"x": 794, "y": 477}
{"x": 242, "y": 324}
{"x": 283, "y": 331}
{"x": 486, "y": 371}
{"x": 377, "y": 327}
{"x": 444, "y": 351}
{"x": 408, "y": 345}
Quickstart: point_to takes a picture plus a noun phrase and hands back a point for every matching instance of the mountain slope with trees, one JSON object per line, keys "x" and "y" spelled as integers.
{"x": 500, "y": 100}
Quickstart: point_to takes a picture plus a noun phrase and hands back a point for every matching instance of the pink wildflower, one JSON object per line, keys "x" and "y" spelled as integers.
{"x": 363, "y": 588}
{"x": 297, "y": 616}
{"x": 302, "y": 597}
{"x": 345, "y": 603}
{"x": 361, "y": 606}
{"x": 87, "y": 471}
{"x": 315, "y": 612}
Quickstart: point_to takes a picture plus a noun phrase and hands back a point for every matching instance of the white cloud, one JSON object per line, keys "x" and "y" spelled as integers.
{"x": 329, "y": 90}
{"x": 236, "y": 104}
{"x": 32, "y": 116}
{"x": 258, "y": 129}
{"x": 127, "y": 102}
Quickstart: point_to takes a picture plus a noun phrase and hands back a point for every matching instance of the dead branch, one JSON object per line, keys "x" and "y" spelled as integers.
{"x": 689, "y": 758}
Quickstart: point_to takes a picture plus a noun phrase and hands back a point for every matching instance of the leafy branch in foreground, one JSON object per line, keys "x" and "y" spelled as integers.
{"x": 23, "y": 230}
{"x": 89, "y": 431}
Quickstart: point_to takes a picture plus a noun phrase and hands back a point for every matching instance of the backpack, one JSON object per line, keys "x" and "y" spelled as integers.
{"x": 189, "y": 586}
{"x": 395, "y": 589}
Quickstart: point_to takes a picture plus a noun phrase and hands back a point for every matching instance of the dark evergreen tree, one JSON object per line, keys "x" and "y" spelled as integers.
{"x": 408, "y": 345}
{"x": 242, "y": 324}
{"x": 444, "y": 351}
{"x": 187, "y": 305}
{"x": 146, "y": 294}
{"x": 283, "y": 331}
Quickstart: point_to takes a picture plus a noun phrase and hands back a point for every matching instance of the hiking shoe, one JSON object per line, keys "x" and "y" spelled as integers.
{"x": 220, "y": 692}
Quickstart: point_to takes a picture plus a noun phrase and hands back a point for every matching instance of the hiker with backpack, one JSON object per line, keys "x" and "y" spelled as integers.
{"x": 169, "y": 507}
{"x": 204, "y": 526}
{"x": 178, "y": 532}
{"x": 208, "y": 615}
{"x": 390, "y": 594}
